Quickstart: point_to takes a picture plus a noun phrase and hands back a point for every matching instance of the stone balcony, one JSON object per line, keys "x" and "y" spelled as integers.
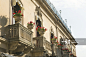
{"x": 42, "y": 46}
{"x": 19, "y": 39}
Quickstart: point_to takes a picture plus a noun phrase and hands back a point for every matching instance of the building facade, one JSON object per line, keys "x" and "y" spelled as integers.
{"x": 16, "y": 39}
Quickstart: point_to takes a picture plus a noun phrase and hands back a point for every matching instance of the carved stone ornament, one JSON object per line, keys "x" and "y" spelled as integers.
{"x": 13, "y": 2}
{"x": 13, "y": 45}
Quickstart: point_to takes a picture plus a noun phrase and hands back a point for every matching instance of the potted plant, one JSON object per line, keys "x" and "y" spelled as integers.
{"x": 71, "y": 55}
{"x": 17, "y": 16}
{"x": 65, "y": 50}
{"x": 74, "y": 56}
{"x": 54, "y": 39}
{"x": 57, "y": 42}
{"x": 41, "y": 30}
{"x": 60, "y": 46}
{"x": 68, "y": 51}
{"x": 30, "y": 25}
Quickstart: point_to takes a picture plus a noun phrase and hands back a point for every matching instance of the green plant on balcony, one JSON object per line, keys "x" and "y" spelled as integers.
{"x": 57, "y": 42}
{"x": 60, "y": 46}
{"x": 65, "y": 49}
{"x": 17, "y": 13}
{"x": 54, "y": 39}
{"x": 30, "y": 25}
{"x": 71, "y": 55}
{"x": 68, "y": 51}
{"x": 41, "y": 30}
{"x": 17, "y": 16}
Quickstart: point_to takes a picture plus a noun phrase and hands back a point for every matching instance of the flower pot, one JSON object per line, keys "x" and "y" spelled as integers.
{"x": 54, "y": 40}
{"x": 68, "y": 52}
{"x": 59, "y": 47}
{"x": 64, "y": 52}
{"x": 71, "y": 55}
{"x": 41, "y": 32}
{"x": 17, "y": 18}
{"x": 30, "y": 27}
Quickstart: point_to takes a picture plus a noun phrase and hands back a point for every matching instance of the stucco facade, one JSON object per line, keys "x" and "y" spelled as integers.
{"x": 16, "y": 37}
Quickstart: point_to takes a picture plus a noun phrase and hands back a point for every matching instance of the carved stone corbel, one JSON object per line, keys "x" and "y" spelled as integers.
{"x": 20, "y": 48}
{"x": 27, "y": 49}
{"x": 13, "y": 45}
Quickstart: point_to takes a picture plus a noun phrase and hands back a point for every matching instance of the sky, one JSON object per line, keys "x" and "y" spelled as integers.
{"x": 75, "y": 13}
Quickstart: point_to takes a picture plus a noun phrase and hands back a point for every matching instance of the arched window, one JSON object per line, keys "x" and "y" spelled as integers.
{"x": 15, "y": 8}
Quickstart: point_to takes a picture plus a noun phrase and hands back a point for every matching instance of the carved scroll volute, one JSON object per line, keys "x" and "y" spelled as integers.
{"x": 13, "y": 46}
{"x": 20, "y": 48}
{"x": 27, "y": 49}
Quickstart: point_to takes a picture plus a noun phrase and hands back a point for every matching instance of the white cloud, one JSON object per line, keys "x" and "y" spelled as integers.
{"x": 69, "y": 3}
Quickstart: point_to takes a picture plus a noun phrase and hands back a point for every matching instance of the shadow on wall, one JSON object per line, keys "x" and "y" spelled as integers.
{"x": 3, "y": 23}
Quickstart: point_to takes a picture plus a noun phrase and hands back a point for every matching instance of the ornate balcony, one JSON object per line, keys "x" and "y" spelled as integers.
{"x": 42, "y": 46}
{"x": 19, "y": 39}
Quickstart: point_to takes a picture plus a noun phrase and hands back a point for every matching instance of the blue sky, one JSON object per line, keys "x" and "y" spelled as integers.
{"x": 75, "y": 13}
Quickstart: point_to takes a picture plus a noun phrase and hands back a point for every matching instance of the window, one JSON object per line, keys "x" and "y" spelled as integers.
{"x": 52, "y": 35}
{"x": 38, "y": 23}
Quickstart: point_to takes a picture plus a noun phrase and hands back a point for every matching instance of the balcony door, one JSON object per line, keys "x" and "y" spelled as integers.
{"x": 52, "y": 35}
{"x": 38, "y": 23}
